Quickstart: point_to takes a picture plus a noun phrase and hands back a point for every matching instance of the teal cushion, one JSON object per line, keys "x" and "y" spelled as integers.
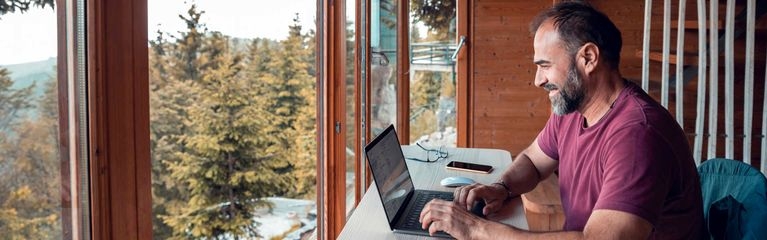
{"x": 734, "y": 199}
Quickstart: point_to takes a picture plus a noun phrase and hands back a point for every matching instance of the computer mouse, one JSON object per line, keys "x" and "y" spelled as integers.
{"x": 456, "y": 181}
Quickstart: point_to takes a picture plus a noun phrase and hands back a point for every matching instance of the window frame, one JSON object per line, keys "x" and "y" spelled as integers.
{"x": 118, "y": 111}
{"x": 118, "y": 94}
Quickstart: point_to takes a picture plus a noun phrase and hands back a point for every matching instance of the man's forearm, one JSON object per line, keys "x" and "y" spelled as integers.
{"x": 495, "y": 230}
{"x": 522, "y": 176}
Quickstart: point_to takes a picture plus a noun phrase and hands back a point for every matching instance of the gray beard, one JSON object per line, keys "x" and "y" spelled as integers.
{"x": 570, "y": 94}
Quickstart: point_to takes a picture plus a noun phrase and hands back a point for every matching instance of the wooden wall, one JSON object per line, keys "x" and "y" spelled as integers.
{"x": 507, "y": 108}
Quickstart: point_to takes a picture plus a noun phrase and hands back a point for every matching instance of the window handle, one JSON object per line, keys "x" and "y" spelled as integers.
{"x": 458, "y": 49}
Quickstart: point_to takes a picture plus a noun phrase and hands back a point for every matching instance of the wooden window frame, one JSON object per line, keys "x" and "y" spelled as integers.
{"x": 331, "y": 108}
{"x": 463, "y": 86}
{"x": 403, "y": 71}
{"x": 118, "y": 111}
{"x": 118, "y": 94}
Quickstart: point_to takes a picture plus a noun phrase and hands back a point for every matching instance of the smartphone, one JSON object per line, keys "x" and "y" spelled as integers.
{"x": 471, "y": 167}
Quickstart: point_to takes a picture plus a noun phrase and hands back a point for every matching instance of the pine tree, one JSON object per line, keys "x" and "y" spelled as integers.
{"x": 225, "y": 166}
{"x": 289, "y": 97}
{"x": 12, "y": 101}
{"x": 168, "y": 98}
{"x": 10, "y": 6}
{"x": 188, "y": 46}
{"x": 31, "y": 207}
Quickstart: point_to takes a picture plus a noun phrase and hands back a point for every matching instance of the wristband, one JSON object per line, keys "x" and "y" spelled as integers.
{"x": 508, "y": 190}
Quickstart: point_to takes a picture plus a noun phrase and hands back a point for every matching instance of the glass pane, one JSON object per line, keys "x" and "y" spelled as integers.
{"x": 351, "y": 158}
{"x": 432, "y": 72}
{"x": 383, "y": 65}
{"x": 232, "y": 111}
{"x": 41, "y": 187}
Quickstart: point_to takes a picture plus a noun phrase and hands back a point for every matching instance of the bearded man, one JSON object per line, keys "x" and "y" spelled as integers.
{"x": 625, "y": 166}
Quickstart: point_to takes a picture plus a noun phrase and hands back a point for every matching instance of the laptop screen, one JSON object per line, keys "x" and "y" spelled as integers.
{"x": 390, "y": 172}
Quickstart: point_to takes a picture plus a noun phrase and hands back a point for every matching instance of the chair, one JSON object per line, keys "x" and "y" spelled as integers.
{"x": 734, "y": 200}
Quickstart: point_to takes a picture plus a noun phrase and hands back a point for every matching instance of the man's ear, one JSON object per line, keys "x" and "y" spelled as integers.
{"x": 588, "y": 57}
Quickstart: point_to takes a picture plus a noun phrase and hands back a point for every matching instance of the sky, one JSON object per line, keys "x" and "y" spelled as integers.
{"x": 31, "y": 36}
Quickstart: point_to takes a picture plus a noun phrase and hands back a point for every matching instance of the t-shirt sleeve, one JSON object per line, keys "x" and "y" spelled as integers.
{"x": 637, "y": 172}
{"x": 547, "y": 138}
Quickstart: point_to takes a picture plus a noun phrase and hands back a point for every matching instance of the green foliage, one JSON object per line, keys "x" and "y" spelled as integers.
{"x": 287, "y": 93}
{"x": 424, "y": 99}
{"x": 435, "y": 14}
{"x": 12, "y": 101}
{"x": 21, "y": 219}
{"x": 228, "y": 129}
{"x": 29, "y": 166}
{"x": 10, "y": 6}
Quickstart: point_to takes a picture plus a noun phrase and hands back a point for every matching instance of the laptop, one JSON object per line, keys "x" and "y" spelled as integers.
{"x": 401, "y": 201}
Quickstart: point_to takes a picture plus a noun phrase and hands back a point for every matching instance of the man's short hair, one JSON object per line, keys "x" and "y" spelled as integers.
{"x": 579, "y": 23}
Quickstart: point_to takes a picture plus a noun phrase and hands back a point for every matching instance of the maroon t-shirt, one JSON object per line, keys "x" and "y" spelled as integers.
{"x": 636, "y": 159}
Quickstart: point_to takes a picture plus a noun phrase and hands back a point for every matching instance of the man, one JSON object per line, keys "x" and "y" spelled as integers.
{"x": 625, "y": 168}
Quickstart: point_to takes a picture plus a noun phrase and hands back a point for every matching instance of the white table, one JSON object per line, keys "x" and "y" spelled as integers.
{"x": 368, "y": 221}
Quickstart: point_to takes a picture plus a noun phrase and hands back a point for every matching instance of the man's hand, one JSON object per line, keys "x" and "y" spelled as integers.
{"x": 494, "y": 196}
{"x": 450, "y": 217}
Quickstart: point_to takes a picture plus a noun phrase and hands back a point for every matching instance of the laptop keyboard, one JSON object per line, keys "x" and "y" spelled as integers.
{"x": 411, "y": 222}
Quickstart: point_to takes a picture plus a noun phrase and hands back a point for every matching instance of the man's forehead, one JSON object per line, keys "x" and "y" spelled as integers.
{"x": 545, "y": 41}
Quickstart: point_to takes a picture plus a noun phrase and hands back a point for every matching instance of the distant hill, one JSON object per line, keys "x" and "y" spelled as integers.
{"x": 24, "y": 74}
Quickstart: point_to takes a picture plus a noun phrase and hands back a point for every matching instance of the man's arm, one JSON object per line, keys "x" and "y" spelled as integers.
{"x": 530, "y": 167}
{"x": 603, "y": 224}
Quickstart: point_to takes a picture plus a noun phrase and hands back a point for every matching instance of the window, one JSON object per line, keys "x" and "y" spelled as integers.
{"x": 414, "y": 63}
{"x": 233, "y": 119}
{"x": 43, "y": 171}
{"x": 383, "y": 65}
{"x": 433, "y": 72}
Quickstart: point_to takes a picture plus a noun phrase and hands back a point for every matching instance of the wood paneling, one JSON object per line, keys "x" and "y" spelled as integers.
{"x": 507, "y": 109}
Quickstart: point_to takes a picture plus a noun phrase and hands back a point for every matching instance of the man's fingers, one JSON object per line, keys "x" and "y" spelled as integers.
{"x": 472, "y": 197}
{"x": 492, "y": 206}
{"x": 459, "y": 195}
{"x": 434, "y": 211}
{"x": 425, "y": 219}
{"x": 434, "y": 227}
{"x": 431, "y": 207}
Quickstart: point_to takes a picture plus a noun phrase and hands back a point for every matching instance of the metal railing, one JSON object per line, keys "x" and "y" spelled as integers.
{"x": 432, "y": 53}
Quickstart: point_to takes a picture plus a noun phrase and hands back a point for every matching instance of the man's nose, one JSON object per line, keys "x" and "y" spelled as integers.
{"x": 540, "y": 79}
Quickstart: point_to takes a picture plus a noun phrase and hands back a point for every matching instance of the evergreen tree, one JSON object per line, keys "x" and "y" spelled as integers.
{"x": 175, "y": 69}
{"x": 30, "y": 159}
{"x": 225, "y": 166}
{"x": 10, "y": 6}
{"x": 168, "y": 98}
{"x": 12, "y": 101}
{"x": 187, "y": 64}
{"x": 288, "y": 93}
{"x": 437, "y": 15}
{"x": 288, "y": 77}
